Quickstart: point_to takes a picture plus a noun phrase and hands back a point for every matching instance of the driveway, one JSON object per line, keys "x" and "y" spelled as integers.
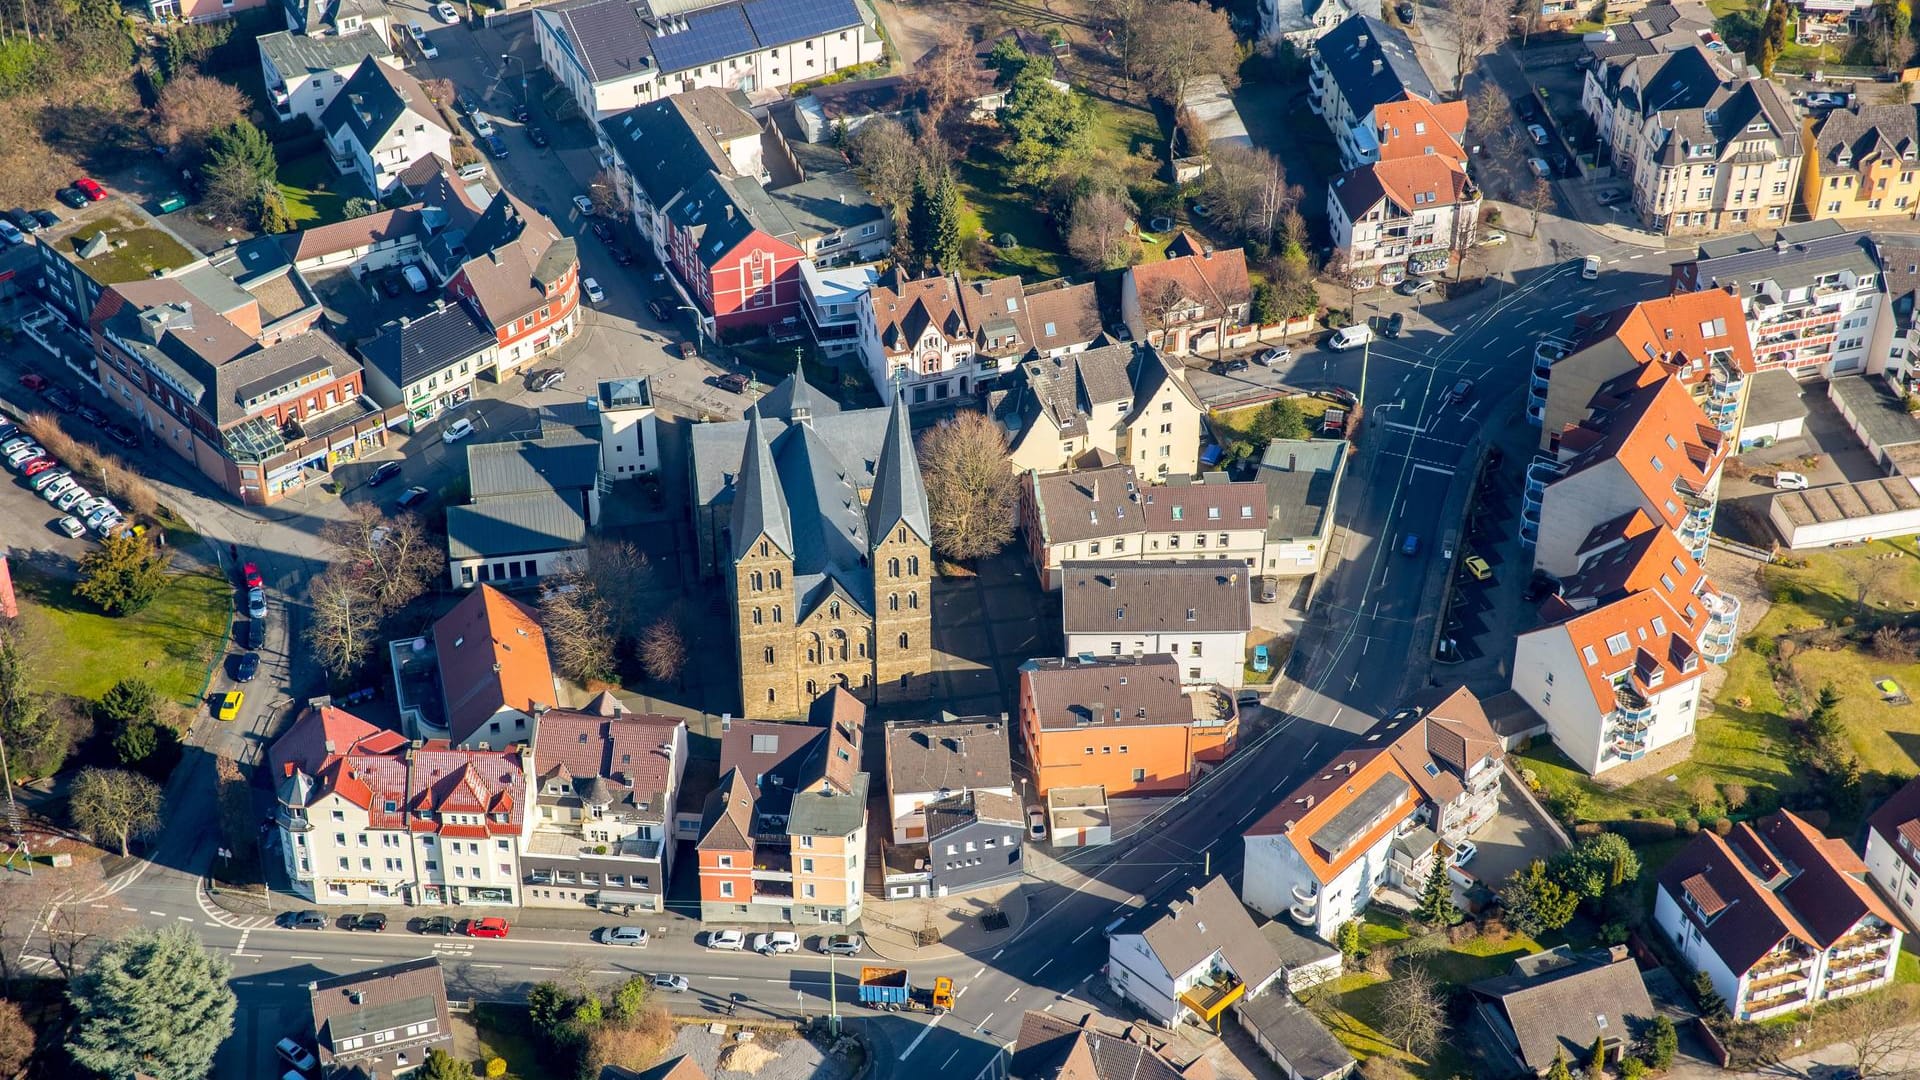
{"x": 1510, "y": 841}
{"x": 984, "y": 628}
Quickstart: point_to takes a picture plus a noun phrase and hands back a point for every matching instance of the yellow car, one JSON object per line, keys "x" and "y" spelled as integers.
{"x": 229, "y": 706}
{"x": 1478, "y": 567}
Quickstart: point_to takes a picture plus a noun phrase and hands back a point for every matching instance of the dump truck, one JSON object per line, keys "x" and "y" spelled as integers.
{"x": 891, "y": 989}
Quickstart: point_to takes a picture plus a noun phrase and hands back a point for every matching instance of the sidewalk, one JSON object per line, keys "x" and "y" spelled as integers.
{"x": 953, "y": 923}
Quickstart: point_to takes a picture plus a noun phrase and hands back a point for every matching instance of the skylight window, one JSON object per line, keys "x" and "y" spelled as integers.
{"x": 1617, "y": 644}
{"x": 1591, "y": 656}
{"x": 1660, "y": 626}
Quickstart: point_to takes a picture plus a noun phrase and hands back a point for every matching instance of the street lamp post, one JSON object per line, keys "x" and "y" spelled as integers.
{"x": 523, "y": 71}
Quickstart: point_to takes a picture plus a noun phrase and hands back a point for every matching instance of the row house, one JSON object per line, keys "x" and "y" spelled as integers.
{"x": 1614, "y": 669}
{"x": 1195, "y": 611}
{"x": 368, "y": 817}
{"x": 380, "y": 124}
{"x": 1357, "y": 71}
{"x": 380, "y": 1023}
{"x": 1412, "y": 215}
{"x": 307, "y": 65}
{"x": 494, "y": 672}
{"x": 1699, "y": 338}
{"x": 606, "y": 786}
{"x": 1129, "y": 723}
{"x": 955, "y": 822}
{"x": 1125, "y": 402}
{"x": 1813, "y": 296}
{"x": 1196, "y": 300}
{"x": 1861, "y": 164}
{"x": 782, "y": 837}
{"x": 1893, "y": 849}
{"x": 733, "y": 209}
{"x": 1645, "y": 444}
{"x": 974, "y": 840}
{"x": 513, "y": 267}
{"x": 937, "y": 338}
{"x": 611, "y": 55}
{"x": 1193, "y": 960}
{"x": 1104, "y": 514}
{"x": 1779, "y": 917}
{"x": 1412, "y": 788}
{"x": 378, "y": 241}
{"x": 429, "y": 363}
{"x": 1706, "y": 148}
{"x": 1900, "y": 282}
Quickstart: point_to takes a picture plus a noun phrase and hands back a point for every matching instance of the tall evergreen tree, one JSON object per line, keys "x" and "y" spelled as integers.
{"x": 151, "y": 1002}
{"x": 933, "y": 221}
{"x": 1558, "y": 1070}
{"x": 1596, "y": 1059}
{"x": 1436, "y": 901}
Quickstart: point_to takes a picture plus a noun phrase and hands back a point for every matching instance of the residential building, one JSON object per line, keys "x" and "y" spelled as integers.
{"x": 1707, "y": 145}
{"x": 381, "y": 1023}
{"x": 612, "y": 55}
{"x": 1123, "y": 722}
{"x": 1821, "y": 21}
{"x": 367, "y": 817}
{"x": 1302, "y": 478}
{"x": 606, "y": 787}
{"x": 1093, "y": 1047}
{"x": 199, "y": 11}
{"x": 379, "y": 124}
{"x": 1356, "y": 68}
{"x": 1614, "y": 668}
{"x": 826, "y": 592}
{"x": 530, "y": 503}
{"x": 1412, "y": 788}
{"x": 1104, "y": 514}
{"x": 1900, "y": 281}
{"x": 306, "y": 65}
{"x": 1780, "y": 917}
{"x": 1639, "y": 28}
{"x": 1814, "y": 298}
{"x": 512, "y": 265}
{"x": 224, "y": 372}
{"x": 429, "y": 363}
{"x": 1416, "y": 214}
{"x": 378, "y": 241}
{"x": 1191, "y": 961}
{"x": 931, "y": 760}
{"x": 1191, "y": 609}
{"x": 1302, "y": 22}
{"x": 1699, "y": 338}
{"x": 831, "y": 298}
{"x": 934, "y": 339}
{"x": 733, "y": 208}
{"x": 1893, "y": 848}
{"x": 973, "y": 840}
{"x": 1861, "y": 163}
{"x": 1196, "y": 300}
{"x": 1123, "y": 402}
{"x": 1287, "y": 1032}
{"x": 1553, "y": 1005}
{"x": 1645, "y": 444}
{"x": 495, "y": 676}
{"x": 629, "y": 434}
{"x": 108, "y": 243}
{"x": 782, "y": 837}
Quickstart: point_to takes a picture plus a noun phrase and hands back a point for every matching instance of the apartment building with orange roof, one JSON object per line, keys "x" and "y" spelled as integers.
{"x": 1644, "y": 444}
{"x": 1699, "y": 337}
{"x": 495, "y": 676}
{"x": 1196, "y": 300}
{"x": 1779, "y": 917}
{"x": 1412, "y": 213}
{"x": 1409, "y": 790}
{"x": 1614, "y": 668}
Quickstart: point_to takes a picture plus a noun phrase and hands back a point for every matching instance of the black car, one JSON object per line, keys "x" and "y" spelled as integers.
{"x": 603, "y": 232}
{"x": 92, "y": 415}
{"x": 246, "y": 666}
{"x": 1459, "y": 392}
{"x": 410, "y": 498}
{"x": 621, "y": 256}
{"x": 537, "y": 137}
{"x": 253, "y": 633}
{"x": 466, "y": 104}
{"x": 390, "y": 284}
{"x": 47, "y": 218}
{"x": 437, "y": 924}
{"x": 1228, "y": 367}
{"x": 382, "y": 473}
{"x": 304, "y": 920}
{"x": 662, "y": 311}
{"x": 59, "y": 398}
{"x": 373, "y": 920}
{"x": 1528, "y": 108}
{"x": 122, "y": 435}
{"x": 522, "y": 113}
{"x": 1395, "y": 324}
{"x": 27, "y": 222}
{"x": 1405, "y": 11}
{"x": 1541, "y": 586}
{"x": 72, "y": 196}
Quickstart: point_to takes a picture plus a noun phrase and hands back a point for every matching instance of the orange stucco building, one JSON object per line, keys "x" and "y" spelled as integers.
{"x": 1121, "y": 722}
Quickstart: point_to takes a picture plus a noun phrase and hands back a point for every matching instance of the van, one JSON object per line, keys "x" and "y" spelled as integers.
{"x": 1790, "y": 481}
{"x": 626, "y": 935}
{"x": 416, "y": 280}
{"x": 1350, "y": 337}
{"x": 1591, "y": 268}
{"x": 482, "y": 126}
{"x": 473, "y": 170}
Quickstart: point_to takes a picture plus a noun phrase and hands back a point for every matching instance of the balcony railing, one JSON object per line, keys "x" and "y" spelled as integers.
{"x": 1860, "y": 940}
{"x": 1306, "y": 895}
{"x": 1210, "y": 998}
{"x": 1761, "y": 989}
{"x": 1303, "y": 916}
{"x": 1856, "y": 978}
{"x": 1781, "y": 963}
{"x": 1628, "y": 751}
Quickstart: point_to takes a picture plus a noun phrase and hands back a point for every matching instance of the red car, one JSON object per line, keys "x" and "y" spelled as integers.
{"x": 91, "y": 188}
{"x": 491, "y": 926}
{"x": 252, "y": 575}
{"x": 34, "y": 381}
{"x": 37, "y": 466}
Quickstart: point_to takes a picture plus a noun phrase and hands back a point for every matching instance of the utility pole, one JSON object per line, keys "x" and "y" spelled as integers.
{"x": 14, "y": 821}
{"x": 833, "y": 993}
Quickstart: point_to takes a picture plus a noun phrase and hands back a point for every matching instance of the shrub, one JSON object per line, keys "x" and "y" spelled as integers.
{"x": 496, "y": 1068}
{"x": 1688, "y": 826}
{"x": 1723, "y": 826}
{"x": 1649, "y": 830}
{"x": 1632, "y": 1068}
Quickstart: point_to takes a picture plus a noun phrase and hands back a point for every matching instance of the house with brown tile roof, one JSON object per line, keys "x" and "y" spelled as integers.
{"x": 1415, "y": 784}
{"x": 1196, "y": 302}
{"x": 377, "y": 240}
{"x": 1893, "y": 850}
{"x": 1190, "y": 961}
{"x": 1780, "y": 917}
{"x": 1413, "y": 213}
{"x": 1193, "y": 609}
{"x": 1095, "y": 1047}
{"x": 381, "y": 1023}
{"x": 495, "y": 676}
{"x": 513, "y": 265}
{"x": 1106, "y": 514}
{"x": 1125, "y": 722}
{"x": 929, "y": 760}
{"x": 1125, "y": 401}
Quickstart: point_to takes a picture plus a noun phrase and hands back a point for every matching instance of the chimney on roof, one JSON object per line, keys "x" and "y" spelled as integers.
{"x": 1378, "y": 65}
{"x": 288, "y": 768}
{"x": 1096, "y": 489}
{"x": 358, "y": 997}
{"x": 1617, "y": 953}
{"x": 327, "y": 746}
{"x": 1361, "y": 41}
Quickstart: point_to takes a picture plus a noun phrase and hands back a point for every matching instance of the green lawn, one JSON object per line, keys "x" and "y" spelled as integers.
{"x": 170, "y": 644}
{"x": 315, "y": 192}
{"x": 1125, "y": 128}
{"x": 997, "y": 208}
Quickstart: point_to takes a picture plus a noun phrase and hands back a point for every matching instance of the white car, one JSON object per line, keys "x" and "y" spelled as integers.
{"x": 1493, "y": 239}
{"x": 1464, "y": 853}
{"x": 726, "y": 940}
{"x": 71, "y": 498}
{"x": 625, "y": 935}
{"x": 593, "y": 291}
{"x": 780, "y": 941}
{"x": 1538, "y": 134}
{"x": 419, "y": 35}
{"x": 294, "y": 1054}
{"x": 446, "y": 13}
{"x": 583, "y": 204}
{"x": 482, "y": 124}
{"x": 10, "y": 234}
{"x": 72, "y": 526}
{"x": 257, "y": 603}
{"x": 672, "y": 984}
{"x": 1790, "y": 481}
{"x": 24, "y": 454}
{"x": 58, "y": 488}
{"x": 1037, "y": 824}
{"x": 1274, "y": 356}
{"x": 456, "y": 431}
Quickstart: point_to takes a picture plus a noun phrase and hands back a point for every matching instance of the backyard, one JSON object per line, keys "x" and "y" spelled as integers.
{"x": 315, "y": 192}
{"x": 171, "y": 644}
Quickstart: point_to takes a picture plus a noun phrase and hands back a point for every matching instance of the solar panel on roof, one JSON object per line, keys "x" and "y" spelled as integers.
{"x": 779, "y": 21}
{"x": 710, "y": 37}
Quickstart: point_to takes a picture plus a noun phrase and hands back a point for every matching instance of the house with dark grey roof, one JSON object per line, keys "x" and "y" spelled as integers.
{"x": 1103, "y": 512}
{"x": 380, "y": 123}
{"x": 1197, "y": 611}
{"x": 931, "y": 760}
{"x": 428, "y": 363}
{"x": 1191, "y": 960}
{"x": 1116, "y": 402}
{"x": 307, "y": 64}
{"x": 1359, "y": 65}
{"x": 973, "y": 839}
{"x": 1090, "y": 1046}
{"x": 531, "y": 502}
{"x": 1861, "y": 163}
{"x": 1554, "y": 1004}
{"x": 1303, "y": 479}
{"x": 511, "y": 263}
{"x": 381, "y": 1023}
{"x": 1127, "y": 724}
{"x": 1293, "y": 1039}
{"x": 612, "y": 55}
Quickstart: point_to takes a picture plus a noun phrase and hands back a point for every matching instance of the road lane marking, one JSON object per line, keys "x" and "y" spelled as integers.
{"x": 310, "y": 958}
{"x": 362, "y": 960}
{"x": 1082, "y": 934}
{"x": 604, "y": 971}
{"x": 184, "y": 918}
{"x": 1013, "y": 995}
{"x": 920, "y": 1038}
{"x": 949, "y": 1061}
{"x": 545, "y": 969}
{"x": 487, "y": 967}
{"x": 983, "y": 967}
{"x": 1042, "y": 967}
{"x": 723, "y": 978}
{"x": 1419, "y": 466}
{"x": 160, "y": 914}
{"x": 982, "y": 1025}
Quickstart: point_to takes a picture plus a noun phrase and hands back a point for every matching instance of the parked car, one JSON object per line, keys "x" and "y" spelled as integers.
{"x": 305, "y": 920}
{"x": 621, "y": 256}
{"x": 1464, "y": 853}
{"x": 419, "y": 35}
{"x": 72, "y": 197}
{"x": 493, "y": 926}
{"x": 435, "y": 924}
{"x": 410, "y": 498}
{"x": 250, "y": 574}
{"x": 593, "y": 291}
{"x": 46, "y": 479}
{"x": 37, "y": 466}
{"x": 253, "y": 634}
{"x": 1274, "y": 356}
{"x": 72, "y": 526}
{"x": 735, "y": 382}
{"x": 91, "y": 189}
{"x": 1493, "y": 239}
{"x": 1590, "y": 267}
{"x": 1036, "y": 824}
{"x": 1229, "y": 367}
{"x": 382, "y": 473}
{"x": 227, "y": 705}
{"x": 257, "y": 603}
{"x": 104, "y": 521}
{"x": 1410, "y": 545}
{"x": 1269, "y": 590}
{"x": 780, "y": 941}
{"x": 34, "y": 381}
{"x": 294, "y": 1054}
{"x": 602, "y": 232}
{"x": 94, "y": 417}
{"x": 246, "y": 666}
{"x": 1478, "y": 568}
{"x": 1540, "y": 168}
{"x": 1459, "y": 392}
{"x": 584, "y": 205}
{"x": 1790, "y": 481}
{"x": 457, "y": 430}
{"x": 1414, "y": 286}
{"x": 672, "y": 984}
{"x": 538, "y": 138}
{"x": 1262, "y": 659}
{"x": 47, "y": 218}
{"x": 1611, "y": 196}
{"x": 374, "y": 921}
{"x": 466, "y": 103}
{"x": 662, "y": 311}
{"x": 726, "y": 940}
{"x": 60, "y": 486}
{"x": 1538, "y": 134}
{"x": 550, "y": 379}
{"x": 24, "y": 221}
{"x": 842, "y": 945}
{"x": 59, "y": 398}
{"x": 1395, "y": 324}
{"x": 496, "y": 147}
{"x": 445, "y": 12}
{"x": 624, "y": 935}
{"x": 1404, "y": 11}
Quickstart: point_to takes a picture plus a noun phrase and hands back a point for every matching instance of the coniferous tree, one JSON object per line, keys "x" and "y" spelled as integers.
{"x": 151, "y": 1002}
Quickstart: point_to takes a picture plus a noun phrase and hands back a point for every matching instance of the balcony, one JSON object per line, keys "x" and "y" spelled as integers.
{"x": 772, "y": 892}
{"x": 1305, "y": 916}
{"x": 1306, "y": 895}
{"x": 1792, "y": 982}
{"x": 1628, "y": 751}
{"x": 1211, "y": 996}
{"x": 558, "y": 842}
{"x": 1852, "y": 980}
{"x": 1856, "y": 943}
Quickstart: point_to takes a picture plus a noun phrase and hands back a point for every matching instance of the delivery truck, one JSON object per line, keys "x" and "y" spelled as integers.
{"x": 891, "y": 989}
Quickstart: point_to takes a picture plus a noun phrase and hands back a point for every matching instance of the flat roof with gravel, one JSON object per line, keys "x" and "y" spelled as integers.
{"x": 1846, "y": 502}
{"x": 138, "y": 247}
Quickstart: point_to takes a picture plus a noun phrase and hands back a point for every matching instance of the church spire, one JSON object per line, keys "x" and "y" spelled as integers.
{"x": 759, "y": 505}
{"x": 899, "y": 497}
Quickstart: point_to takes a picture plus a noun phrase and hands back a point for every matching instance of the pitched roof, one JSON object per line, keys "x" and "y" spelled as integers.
{"x": 630, "y": 754}
{"x": 1848, "y": 140}
{"x": 808, "y": 773}
{"x": 969, "y": 808}
{"x": 1089, "y": 504}
{"x": 948, "y": 755}
{"x": 387, "y": 999}
{"x": 899, "y": 498}
{"x": 320, "y": 733}
{"x": 624, "y": 39}
{"x": 1416, "y": 127}
{"x": 1051, "y": 1047}
{"x": 1566, "y": 1002}
{"x": 1064, "y": 390}
{"x": 1211, "y": 919}
{"x": 1649, "y": 424}
{"x": 1287, "y": 1026}
{"x": 493, "y": 656}
{"x": 1125, "y": 691}
{"x": 1412, "y": 183}
{"x": 409, "y": 350}
{"x": 514, "y": 255}
{"x": 1300, "y": 476}
{"x": 353, "y": 233}
{"x": 1063, "y": 317}
{"x": 1214, "y": 280}
{"x": 558, "y": 460}
{"x": 1372, "y": 63}
{"x": 1680, "y": 333}
{"x": 726, "y": 821}
{"x": 527, "y": 524}
{"x": 374, "y": 99}
{"x": 1190, "y": 595}
{"x": 1899, "y": 817}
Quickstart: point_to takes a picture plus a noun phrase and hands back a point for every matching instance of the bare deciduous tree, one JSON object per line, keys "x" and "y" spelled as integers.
{"x": 114, "y": 804}
{"x": 395, "y": 556}
{"x": 1536, "y": 199}
{"x": 1100, "y": 232}
{"x": 1883, "y": 1033}
{"x": 579, "y": 628}
{"x": 970, "y": 489}
{"x": 193, "y": 106}
{"x": 623, "y": 576}
{"x": 663, "y": 649}
{"x": 1163, "y": 306}
{"x": 16, "y": 1039}
{"x": 1412, "y": 1012}
{"x": 1246, "y": 192}
{"x": 609, "y": 198}
{"x": 1479, "y": 26}
{"x": 1490, "y": 115}
{"x": 948, "y": 76}
{"x": 1188, "y": 40}
{"x": 1128, "y": 24}
{"x": 344, "y": 616}
{"x": 888, "y": 160}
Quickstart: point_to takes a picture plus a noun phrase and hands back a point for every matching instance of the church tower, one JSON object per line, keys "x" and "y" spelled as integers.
{"x": 900, "y": 536}
{"x": 761, "y": 575}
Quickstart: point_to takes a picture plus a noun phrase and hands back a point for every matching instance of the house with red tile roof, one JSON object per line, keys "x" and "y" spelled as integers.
{"x": 368, "y": 817}
{"x": 1644, "y": 444}
{"x": 495, "y": 676}
{"x": 1780, "y": 917}
{"x": 1414, "y": 214}
{"x": 1614, "y": 668}
{"x": 1893, "y": 850}
{"x": 1196, "y": 300}
{"x": 1413, "y": 785}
